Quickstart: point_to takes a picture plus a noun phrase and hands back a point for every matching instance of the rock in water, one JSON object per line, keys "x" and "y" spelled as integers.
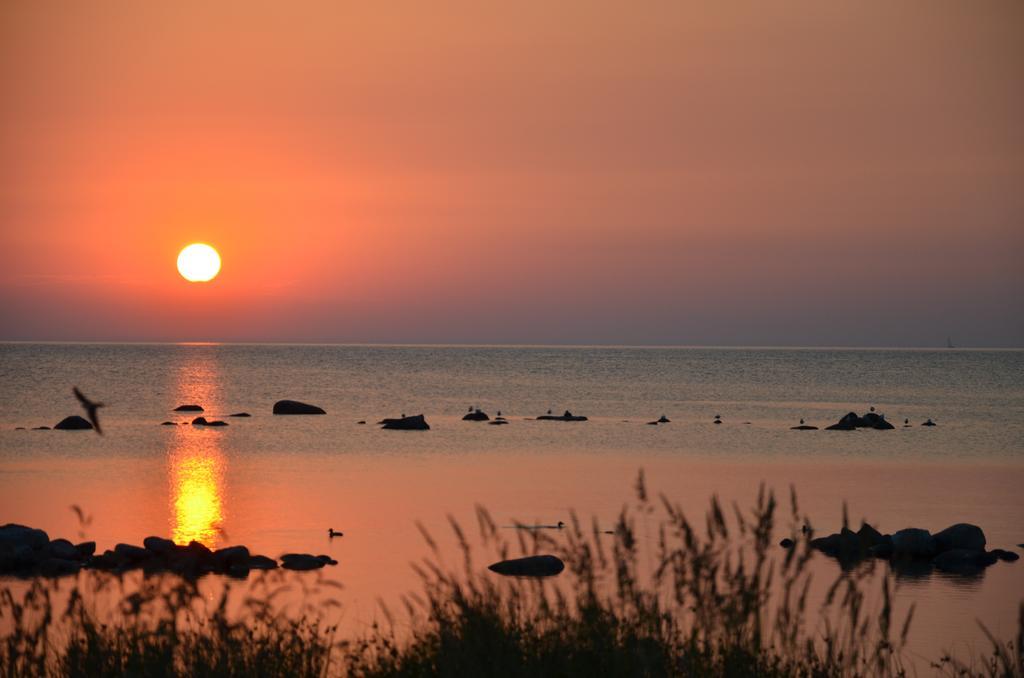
{"x": 295, "y": 407}
{"x": 960, "y": 536}
{"x": 188, "y": 408}
{"x": 301, "y": 561}
{"x": 168, "y": 423}
{"x": 476, "y": 415}
{"x": 531, "y": 566}
{"x": 19, "y": 535}
{"x": 913, "y": 543}
{"x": 786, "y": 543}
{"x": 414, "y": 423}
{"x": 199, "y": 421}
{"x": 64, "y": 550}
{"x": 159, "y": 545}
{"x": 262, "y": 563}
{"x": 73, "y": 423}
{"x": 240, "y": 414}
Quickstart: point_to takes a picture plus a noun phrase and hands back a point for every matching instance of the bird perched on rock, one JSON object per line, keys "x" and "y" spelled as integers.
{"x": 90, "y": 409}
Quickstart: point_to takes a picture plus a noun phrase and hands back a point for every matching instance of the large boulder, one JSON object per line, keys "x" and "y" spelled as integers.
{"x": 26, "y": 536}
{"x": 960, "y": 536}
{"x": 531, "y": 566}
{"x": 414, "y": 423}
{"x": 160, "y": 546}
{"x": 131, "y": 553}
{"x": 231, "y": 556}
{"x": 73, "y": 423}
{"x": 295, "y": 407}
{"x": 913, "y": 542}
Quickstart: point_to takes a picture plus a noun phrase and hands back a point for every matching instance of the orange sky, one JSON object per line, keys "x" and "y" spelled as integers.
{"x": 587, "y": 172}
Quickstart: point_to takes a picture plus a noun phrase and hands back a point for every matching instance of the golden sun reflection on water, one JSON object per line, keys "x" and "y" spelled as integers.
{"x": 196, "y": 464}
{"x": 197, "y": 493}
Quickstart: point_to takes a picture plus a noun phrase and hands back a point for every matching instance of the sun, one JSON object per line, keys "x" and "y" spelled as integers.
{"x": 198, "y": 263}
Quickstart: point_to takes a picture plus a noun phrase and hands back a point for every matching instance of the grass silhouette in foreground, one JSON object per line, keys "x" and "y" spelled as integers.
{"x": 722, "y": 600}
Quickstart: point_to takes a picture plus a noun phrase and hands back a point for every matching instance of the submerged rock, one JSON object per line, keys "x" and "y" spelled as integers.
{"x": 41, "y": 428}
{"x": 240, "y": 414}
{"x": 168, "y": 423}
{"x": 963, "y": 561}
{"x": 412, "y": 423}
{"x": 531, "y": 566}
{"x": 295, "y": 407}
{"x": 73, "y": 423}
{"x": 188, "y": 408}
{"x": 498, "y": 422}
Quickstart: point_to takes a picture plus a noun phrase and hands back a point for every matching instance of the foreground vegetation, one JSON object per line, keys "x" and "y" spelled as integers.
{"x": 719, "y": 600}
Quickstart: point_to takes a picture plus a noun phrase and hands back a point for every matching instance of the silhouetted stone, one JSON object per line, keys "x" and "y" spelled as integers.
{"x": 851, "y": 421}
{"x": 567, "y": 416}
{"x": 262, "y": 563}
{"x": 230, "y": 556}
{"x": 883, "y": 549}
{"x": 497, "y": 422}
{"x": 913, "y": 543}
{"x": 86, "y": 549}
{"x": 73, "y": 423}
{"x": 295, "y": 407}
{"x": 960, "y": 536}
{"x": 199, "y": 421}
{"x": 929, "y": 423}
{"x": 132, "y": 553}
{"x": 160, "y": 546}
{"x": 361, "y": 421}
{"x": 652, "y": 423}
{"x": 327, "y": 560}
{"x": 663, "y": 419}
{"x": 531, "y": 566}
{"x": 216, "y": 422}
{"x": 41, "y": 428}
{"x": 786, "y": 543}
{"x": 804, "y": 427}
{"x": 168, "y": 423}
{"x": 240, "y": 414}
{"x": 1008, "y": 556}
{"x": 963, "y": 561}
{"x": 476, "y": 415}
{"x": 413, "y": 423}
{"x": 15, "y": 534}
{"x": 188, "y": 408}
{"x": 63, "y": 549}
{"x": 301, "y": 561}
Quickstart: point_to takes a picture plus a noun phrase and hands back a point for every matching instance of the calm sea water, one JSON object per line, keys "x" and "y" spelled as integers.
{"x": 277, "y": 483}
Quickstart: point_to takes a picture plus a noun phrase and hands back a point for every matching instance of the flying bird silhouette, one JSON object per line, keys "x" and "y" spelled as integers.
{"x": 90, "y": 409}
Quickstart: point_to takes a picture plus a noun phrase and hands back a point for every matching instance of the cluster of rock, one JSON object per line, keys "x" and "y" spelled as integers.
{"x": 26, "y": 551}
{"x": 530, "y": 566}
{"x": 852, "y": 421}
{"x": 476, "y": 414}
{"x": 416, "y": 422}
{"x": 959, "y": 548}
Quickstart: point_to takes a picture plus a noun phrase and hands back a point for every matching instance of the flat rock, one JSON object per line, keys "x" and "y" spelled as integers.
{"x": 960, "y": 536}
{"x": 566, "y": 416}
{"x": 168, "y": 423}
{"x": 41, "y": 428}
{"x": 262, "y": 563}
{"x": 531, "y": 566}
{"x": 412, "y": 423}
{"x": 240, "y": 414}
{"x": 295, "y": 407}
{"x": 804, "y": 427}
{"x": 188, "y": 408}
{"x": 497, "y": 422}
{"x": 301, "y": 561}
{"x": 73, "y": 423}
{"x": 1006, "y": 556}
{"x": 476, "y": 415}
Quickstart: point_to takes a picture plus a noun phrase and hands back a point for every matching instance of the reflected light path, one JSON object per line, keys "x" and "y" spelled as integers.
{"x": 196, "y": 462}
